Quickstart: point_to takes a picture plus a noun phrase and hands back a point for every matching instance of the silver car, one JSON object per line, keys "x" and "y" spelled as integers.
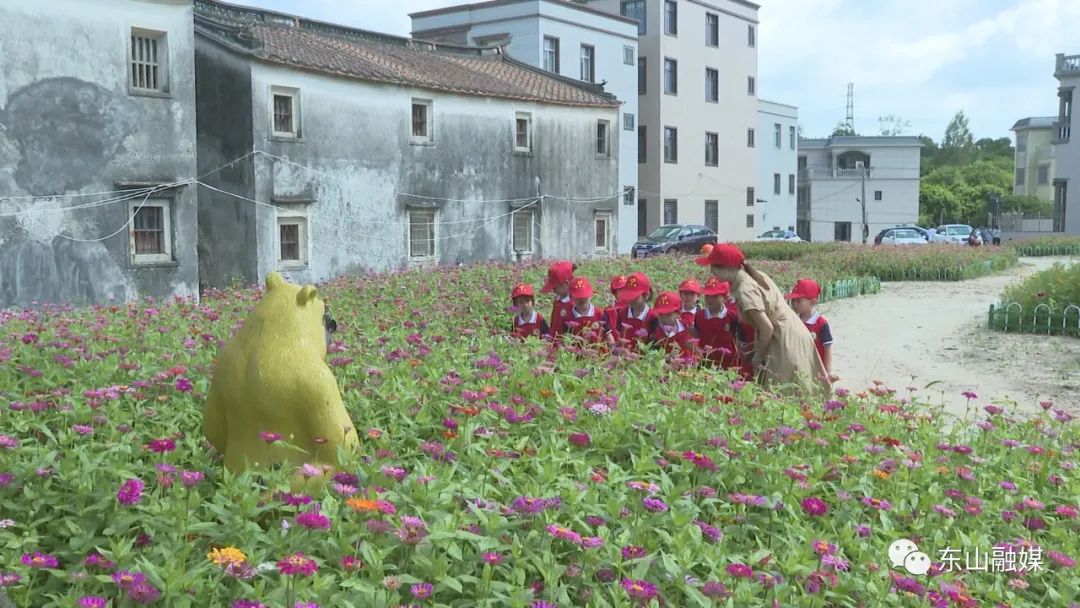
{"x": 956, "y": 234}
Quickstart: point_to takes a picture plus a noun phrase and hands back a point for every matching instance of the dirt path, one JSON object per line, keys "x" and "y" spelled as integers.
{"x": 915, "y": 334}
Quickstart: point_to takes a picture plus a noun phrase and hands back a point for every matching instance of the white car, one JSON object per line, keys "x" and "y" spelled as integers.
{"x": 780, "y": 235}
{"x": 956, "y": 234}
{"x": 902, "y": 236}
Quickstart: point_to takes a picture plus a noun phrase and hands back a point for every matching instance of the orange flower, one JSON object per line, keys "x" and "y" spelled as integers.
{"x": 943, "y": 470}
{"x": 546, "y": 392}
{"x": 882, "y": 474}
{"x": 449, "y": 434}
{"x": 415, "y": 362}
{"x": 849, "y": 459}
{"x": 374, "y": 433}
{"x": 490, "y": 390}
{"x": 362, "y": 505}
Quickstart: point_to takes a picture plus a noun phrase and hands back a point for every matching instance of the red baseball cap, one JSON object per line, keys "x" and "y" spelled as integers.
{"x": 558, "y": 273}
{"x": 617, "y": 283}
{"x": 521, "y": 290}
{"x": 637, "y": 285}
{"x": 725, "y": 255}
{"x": 667, "y": 302}
{"x": 716, "y": 287}
{"x": 805, "y": 288}
{"x": 580, "y": 287}
{"x": 690, "y": 285}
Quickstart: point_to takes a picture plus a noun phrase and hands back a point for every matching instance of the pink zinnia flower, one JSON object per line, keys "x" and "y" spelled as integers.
{"x": 313, "y": 520}
{"x": 1061, "y": 559}
{"x": 38, "y": 559}
{"x": 580, "y": 439}
{"x": 814, "y": 506}
{"x": 130, "y": 492}
{"x": 1066, "y": 511}
{"x": 654, "y": 504}
{"x": 191, "y": 479}
{"x": 422, "y": 591}
{"x": 740, "y": 570}
{"x": 492, "y": 558}
{"x": 162, "y": 446}
{"x": 297, "y": 564}
{"x": 183, "y": 385}
{"x": 637, "y": 589}
{"x": 269, "y": 437}
{"x": 92, "y": 601}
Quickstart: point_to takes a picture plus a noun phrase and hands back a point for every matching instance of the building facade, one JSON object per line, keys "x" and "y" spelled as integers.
{"x": 1034, "y": 157}
{"x": 563, "y": 38}
{"x": 97, "y": 151}
{"x": 1066, "y": 179}
{"x": 840, "y": 174}
{"x": 375, "y": 152}
{"x": 697, "y": 112}
{"x": 777, "y": 165}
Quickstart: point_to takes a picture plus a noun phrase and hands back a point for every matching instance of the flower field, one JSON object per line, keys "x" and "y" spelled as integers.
{"x": 1046, "y": 302}
{"x": 494, "y": 473}
{"x": 1049, "y": 245}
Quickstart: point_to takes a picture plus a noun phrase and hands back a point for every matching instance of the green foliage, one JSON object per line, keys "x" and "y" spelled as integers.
{"x": 1046, "y": 302}
{"x": 1048, "y": 245}
{"x": 843, "y": 128}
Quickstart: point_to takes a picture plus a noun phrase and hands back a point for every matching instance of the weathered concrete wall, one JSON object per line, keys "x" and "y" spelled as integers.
{"x": 354, "y": 160}
{"x": 68, "y": 125}
{"x": 226, "y": 223}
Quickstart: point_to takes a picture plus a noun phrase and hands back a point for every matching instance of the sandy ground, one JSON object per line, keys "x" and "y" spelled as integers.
{"x": 933, "y": 336}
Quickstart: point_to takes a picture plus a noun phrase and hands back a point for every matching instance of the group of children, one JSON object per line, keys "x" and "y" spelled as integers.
{"x": 676, "y": 321}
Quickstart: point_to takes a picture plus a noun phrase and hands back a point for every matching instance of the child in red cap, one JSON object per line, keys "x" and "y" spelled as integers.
{"x": 717, "y": 326}
{"x": 527, "y": 322}
{"x": 585, "y": 320}
{"x": 632, "y": 322}
{"x": 804, "y": 298}
{"x": 689, "y": 294}
{"x": 667, "y": 329}
{"x": 611, "y": 313}
{"x": 558, "y": 280}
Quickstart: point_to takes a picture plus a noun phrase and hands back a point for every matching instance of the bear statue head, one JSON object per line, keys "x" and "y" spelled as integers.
{"x": 311, "y": 315}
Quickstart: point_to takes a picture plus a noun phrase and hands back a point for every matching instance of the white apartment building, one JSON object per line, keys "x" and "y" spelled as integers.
{"x": 1033, "y": 160}
{"x": 777, "y": 165}
{"x": 1066, "y": 150}
{"x": 571, "y": 40}
{"x": 838, "y": 175}
{"x": 697, "y": 112}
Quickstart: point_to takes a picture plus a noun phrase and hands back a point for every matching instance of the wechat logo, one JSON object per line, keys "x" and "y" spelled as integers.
{"x": 905, "y": 554}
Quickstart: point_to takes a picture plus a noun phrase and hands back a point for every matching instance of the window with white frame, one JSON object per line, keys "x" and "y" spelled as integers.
{"x": 778, "y": 135}
{"x": 751, "y": 36}
{"x": 292, "y": 236}
{"x": 150, "y": 231}
{"x": 671, "y": 77}
{"x": 712, "y": 149}
{"x": 603, "y": 138}
{"x": 285, "y": 112}
{"x": 671, "y": 211}
{"x": 523, "y": 230}
{"x": 602, "y": 226}
{"x": 712, "y": 85}
{"x": 422, "y": 122}
{"x": 629, "y": 122}
{"x": 791, "y": 137}
{"x": 776, "y": 183}
{"x": 551, "y": 54}
{"x": 523, "y": 132}
{"x": 712, "y": 215}
{"x": 628, "y": 55}
{"x": 149, "y": 61}
{"x": 588, "y": 63}
{"x": 671, "y": 18}
{"x": 634, "y": 9}
{"x": 671, "y": 145}
{"x": 712, "y": 29}
{"x": 422, "y": 234}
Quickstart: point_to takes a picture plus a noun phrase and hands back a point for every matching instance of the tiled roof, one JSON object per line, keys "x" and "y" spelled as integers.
{"x": 351, "y": 53}
{"x": 1035, "y": 122}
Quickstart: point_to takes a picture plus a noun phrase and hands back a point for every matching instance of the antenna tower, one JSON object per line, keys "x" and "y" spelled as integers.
{"x": 851, "y": 106}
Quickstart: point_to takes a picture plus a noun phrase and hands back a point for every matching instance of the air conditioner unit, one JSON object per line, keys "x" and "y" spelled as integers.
{"x": 859, "y": 164}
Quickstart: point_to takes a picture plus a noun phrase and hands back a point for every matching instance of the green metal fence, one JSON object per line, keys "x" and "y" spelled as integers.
{"x": 1012, "y": 317}
{"x": 956, "y": 273}
{"x": 1046, "y": 250}
{"x": 850, "y": 288}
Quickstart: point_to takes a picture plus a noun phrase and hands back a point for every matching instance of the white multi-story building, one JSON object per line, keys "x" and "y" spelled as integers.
{"x": 697, "y": 112}
{"x": 841, "y": 174}
{"x": 1066, "y": 150}
{"x": 570, "y": 40}
{"x": 777, "y": 165}
{"x": 1034, "y": 157}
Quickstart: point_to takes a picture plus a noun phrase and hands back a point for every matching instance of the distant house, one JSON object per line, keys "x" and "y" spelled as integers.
{"x": 838, "y": 174}
{"x": 378, "y": 152}
{"x": 97, "y": 126}
{"x": 777, "y": 166}
{"x": 565, "y": 38}
{"x": 1066, "y": 179}
{"x": 1034, "y": 157}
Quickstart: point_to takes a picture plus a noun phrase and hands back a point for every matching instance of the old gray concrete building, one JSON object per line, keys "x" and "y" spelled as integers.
{"x": 97, "y": 117}
{"x": 374, "y": 152}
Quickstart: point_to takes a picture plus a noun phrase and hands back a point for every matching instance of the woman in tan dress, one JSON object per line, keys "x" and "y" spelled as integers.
{"x": 784, "y": 353}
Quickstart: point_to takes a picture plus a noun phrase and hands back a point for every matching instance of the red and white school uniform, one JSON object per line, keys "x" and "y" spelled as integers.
{"x": 819, "y": 328}
{"x": 533, "y": 326}
{"x": 630, "y": 329}
{"x": 717, "y": 336}
{"x": 687, "y": 316}
{"x": 590, "y": 325}
{"x": 560, "y": 312}
{"x": 672, "y": 338}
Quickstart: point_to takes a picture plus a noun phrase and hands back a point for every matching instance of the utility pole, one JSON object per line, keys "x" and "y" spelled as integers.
{"x": 865, "y": 227}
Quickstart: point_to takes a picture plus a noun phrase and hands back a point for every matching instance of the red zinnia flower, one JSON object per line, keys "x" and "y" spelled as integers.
{"x": 814, "y": 506}
{"x": 297, "y": 564}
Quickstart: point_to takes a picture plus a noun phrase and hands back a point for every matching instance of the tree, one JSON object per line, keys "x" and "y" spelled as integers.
{"x": 892, "y": 125}
{"x": 843, "y": 128}
{"x": 957, "y": 134}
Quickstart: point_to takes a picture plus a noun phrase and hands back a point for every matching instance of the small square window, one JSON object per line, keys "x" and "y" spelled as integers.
{"x": 422, "y": 234}
{"x": 286, "y": 112}
{"x": 292, "y": 238}
{"x": 877, "y": 195}
{"x": 628, "y": 55}
{"x": 149, "y": 61}
{"x": 603, "y": 138}
{"x": 150, "y": 231}
{"x": 602, "y": 232}
{"x": 422, "y": 122}
{"x": 523, "y": 230}
{"x": 629, "y": 122}
{"x": 523, "y": 132}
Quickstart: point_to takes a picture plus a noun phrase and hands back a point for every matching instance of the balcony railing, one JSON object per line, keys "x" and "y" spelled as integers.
{"x": 812, "y": 173}
{"x": 1061, "y": 132}
{"x": 1067, "y": 63}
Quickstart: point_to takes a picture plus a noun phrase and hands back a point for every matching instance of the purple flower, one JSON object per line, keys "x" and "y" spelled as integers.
{"x": 814, "y": 506}
{"x": 637, "y": 589}
{"x": 143, "y": 592}
{"x": 422, "y": 591}
{"x": 313, "y": 520}
{"x": 862, "y": 530}
{"x": 8, "y": 579}
{"x": 130, "y": 492}
{"x": 125, "y": 579}
{"x": 92, "y": 601}
{"x": 191, "y": 479}
{"x": 633, "y": 552}
{"x": 247, "y": 604}
{"x": 709, "y": 531}
{"x": 38, "y": 559}
{"x": 740, "y": 570}
{"x": 654, "y": 504}
{"x": 714, "y": 589}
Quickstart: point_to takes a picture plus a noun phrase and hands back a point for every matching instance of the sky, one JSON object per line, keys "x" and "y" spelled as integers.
{"x": 920, "y": 60}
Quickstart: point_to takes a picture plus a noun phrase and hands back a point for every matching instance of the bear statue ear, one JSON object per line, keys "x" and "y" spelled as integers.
{"x": 274, "y": 280}
{"x": 306, "y": 295}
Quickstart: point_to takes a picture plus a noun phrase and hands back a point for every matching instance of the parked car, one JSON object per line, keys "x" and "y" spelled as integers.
{"x": 686, "y": 238}
{"x": 900, "y": 236}
{"x": 779, "y": 235}
{"x": 953, "y": 233}
{"x": 922, "y": 232}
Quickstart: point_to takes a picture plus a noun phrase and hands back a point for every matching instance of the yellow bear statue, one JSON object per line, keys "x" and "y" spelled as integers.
{"x": 271, "y": 381}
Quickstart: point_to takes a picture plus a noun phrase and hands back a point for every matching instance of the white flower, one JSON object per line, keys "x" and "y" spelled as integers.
{"x": 7, "y": 523}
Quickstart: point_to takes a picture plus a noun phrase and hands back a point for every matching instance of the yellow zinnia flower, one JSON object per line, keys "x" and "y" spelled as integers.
{"x": 225, "y": 556}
